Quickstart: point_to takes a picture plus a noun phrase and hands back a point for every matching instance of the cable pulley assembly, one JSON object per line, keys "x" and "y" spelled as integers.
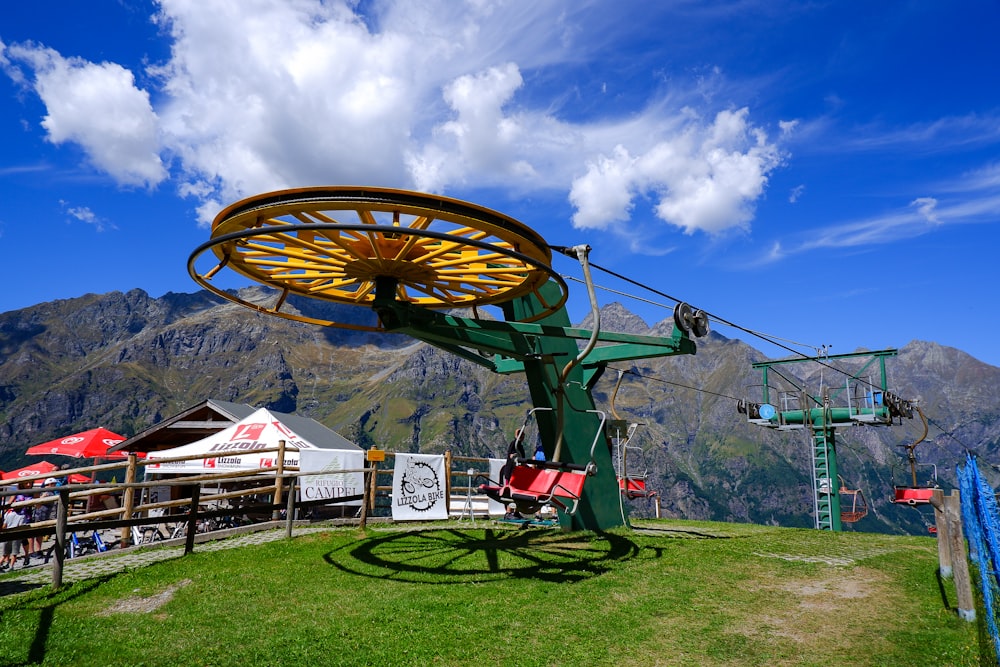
{"x": 691, "y": 321}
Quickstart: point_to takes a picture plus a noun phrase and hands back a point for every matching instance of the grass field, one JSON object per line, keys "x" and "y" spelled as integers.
{"x": 665, "y": 593}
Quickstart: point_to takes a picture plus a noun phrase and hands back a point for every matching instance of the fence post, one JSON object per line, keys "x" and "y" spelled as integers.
{"x": 366, "y": 495}
{"x": 290, "y": 508}
{"x": 278, "y": 479}
{"x": 959, "y": 560}
{"x": 447, "y": 481}
{"x": 369, "y": 494}
{"x": 943, "y": 535}
{"x": 62, "y": 511}
{"x": 128, "y": 498}
{"x": 192, "y": 519}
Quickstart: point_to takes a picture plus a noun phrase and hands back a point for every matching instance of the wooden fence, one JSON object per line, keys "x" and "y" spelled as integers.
{"x": 82, "y": 508}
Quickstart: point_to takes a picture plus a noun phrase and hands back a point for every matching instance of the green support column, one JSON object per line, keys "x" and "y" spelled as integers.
{"x": 825, "y": 482}
{"x": 601, "y": 506}
{"x": 541, "y": 350}
{"x": 823, "y": 421}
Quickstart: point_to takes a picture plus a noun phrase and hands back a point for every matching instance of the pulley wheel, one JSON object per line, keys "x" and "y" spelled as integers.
{"x": 332, "y": 243}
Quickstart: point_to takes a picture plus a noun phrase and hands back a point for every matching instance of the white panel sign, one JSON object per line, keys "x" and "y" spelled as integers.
{"x": 495, "y": 508}
{"x": 418, "y": 488}
{"x": 336, "y": 485}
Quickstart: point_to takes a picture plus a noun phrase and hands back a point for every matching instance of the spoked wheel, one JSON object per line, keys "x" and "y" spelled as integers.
{"x": 333, "y": 243}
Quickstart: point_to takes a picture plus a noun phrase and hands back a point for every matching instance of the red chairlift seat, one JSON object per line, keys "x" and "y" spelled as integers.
{"x": 913, "y": 495}
{"x": 534, "y": 484}
{"x": 634, "y": 487}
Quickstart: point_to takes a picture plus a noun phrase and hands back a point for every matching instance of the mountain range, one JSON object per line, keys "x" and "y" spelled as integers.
{"x": 126, "y": 361}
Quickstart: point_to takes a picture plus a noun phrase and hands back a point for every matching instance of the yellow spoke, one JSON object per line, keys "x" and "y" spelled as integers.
{"x": 488, "y": 270}
{"x": 457, "y": 286}
{"x": 311, "y": 217}
{"x": 473, "y": 259}
{"x": 441, "y": 296}
{"x": 261, "y": 256}
{"x": 318, "y": 215}
{"x": 446, "y": 247}
{"x": 335, "y": 284}
{"x": 420, "y": 222}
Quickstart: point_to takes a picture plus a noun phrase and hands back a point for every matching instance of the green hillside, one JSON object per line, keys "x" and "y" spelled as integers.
{"x": 665, "y": 593}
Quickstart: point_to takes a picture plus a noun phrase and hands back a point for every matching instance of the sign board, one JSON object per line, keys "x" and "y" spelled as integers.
{"x": 418, "y": 488}
{"x": 376, "y": 454}
{"x": 337, "y": 484}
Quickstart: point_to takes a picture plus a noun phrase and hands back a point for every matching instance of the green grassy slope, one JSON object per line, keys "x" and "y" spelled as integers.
{"x": 665, "y": 593}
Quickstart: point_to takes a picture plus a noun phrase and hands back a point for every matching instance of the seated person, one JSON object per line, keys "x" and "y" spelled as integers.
{"x": 514, "y": 451}
{"x": 512, "y": 513}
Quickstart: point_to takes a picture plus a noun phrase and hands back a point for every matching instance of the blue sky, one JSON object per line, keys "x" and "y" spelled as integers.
{"x": 826, "y": 173}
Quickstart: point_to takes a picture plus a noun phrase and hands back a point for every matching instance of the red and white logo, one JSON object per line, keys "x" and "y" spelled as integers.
{"x": 247, "y": 431}
{"x": 267, "y": 463}
{"x": 209, "y": 463}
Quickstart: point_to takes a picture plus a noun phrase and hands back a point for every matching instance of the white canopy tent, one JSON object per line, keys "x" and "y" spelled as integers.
{"x": 240, "y": 442}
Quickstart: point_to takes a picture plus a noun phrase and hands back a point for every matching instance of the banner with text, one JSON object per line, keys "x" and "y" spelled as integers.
{"x": 336, "y": 485}
{"x": 418, "y": 488}
{"x": 495, "y": 508}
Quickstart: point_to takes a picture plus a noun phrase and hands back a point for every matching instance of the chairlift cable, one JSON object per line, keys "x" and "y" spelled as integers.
{"x": 951, "y": 435}
{"x": 675, "y": 384}
{"x": 619, "y": 292}
{"x": 772, "y": 340}
{"x": 758, "y": 334}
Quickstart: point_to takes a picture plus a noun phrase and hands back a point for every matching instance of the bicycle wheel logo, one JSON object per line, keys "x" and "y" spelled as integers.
{"x": 420, "y": 485}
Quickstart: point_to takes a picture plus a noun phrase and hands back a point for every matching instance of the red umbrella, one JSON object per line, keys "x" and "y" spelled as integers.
{"x": 86, "y": 445}
{"x": 41, "y": 469}
{"x": 29, "y": 471}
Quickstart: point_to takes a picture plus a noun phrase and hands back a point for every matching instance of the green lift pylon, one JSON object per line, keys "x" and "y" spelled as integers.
{"x": 413, "y": 258}
{"x": 860, "y": 401}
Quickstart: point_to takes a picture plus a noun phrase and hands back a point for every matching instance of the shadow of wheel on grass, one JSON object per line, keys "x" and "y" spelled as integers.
{"x": 474, "y": 556}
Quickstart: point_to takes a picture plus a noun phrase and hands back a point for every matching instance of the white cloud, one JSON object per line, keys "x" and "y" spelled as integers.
{"x": 706, "y": 177}
{"x": 924, "y": 215}
{"x": 925, "y": 206}
{"x": 85, "y": 214}
{"x": 266, "y": 94}
{"x": 98, "y": 107}
{"x": 603, "y": 196}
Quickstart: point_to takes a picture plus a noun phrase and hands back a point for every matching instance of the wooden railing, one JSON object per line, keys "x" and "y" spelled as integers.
{"x": 77, "y": 507}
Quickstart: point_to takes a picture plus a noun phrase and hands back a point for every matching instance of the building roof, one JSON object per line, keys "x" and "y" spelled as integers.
{"x": 212, "y": 416}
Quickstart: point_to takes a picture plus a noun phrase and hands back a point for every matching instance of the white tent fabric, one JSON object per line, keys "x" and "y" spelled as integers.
{"x": 261, "y": 430}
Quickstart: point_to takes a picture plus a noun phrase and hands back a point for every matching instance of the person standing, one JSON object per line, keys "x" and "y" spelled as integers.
{"x": 11, "y": 519}
{"x": 25, "y": 511}
{"x": 41, "y": 513}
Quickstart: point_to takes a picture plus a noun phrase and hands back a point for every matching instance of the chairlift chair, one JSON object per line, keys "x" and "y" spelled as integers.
{"x": 629, "y": 460}
{"x": 853, "y": 498}
{"x": 915, "y": 494}
{"x": 534, "y": 484}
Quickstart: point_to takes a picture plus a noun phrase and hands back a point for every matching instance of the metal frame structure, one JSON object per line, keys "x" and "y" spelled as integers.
{"x": 822, "y": 413}
{"x": 409, "y": 256}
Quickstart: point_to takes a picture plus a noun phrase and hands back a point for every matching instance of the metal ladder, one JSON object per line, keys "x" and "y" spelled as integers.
{"x": 825, "y": 486}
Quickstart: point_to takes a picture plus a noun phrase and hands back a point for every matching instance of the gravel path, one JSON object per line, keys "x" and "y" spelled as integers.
{"x": 117, "y": 560}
